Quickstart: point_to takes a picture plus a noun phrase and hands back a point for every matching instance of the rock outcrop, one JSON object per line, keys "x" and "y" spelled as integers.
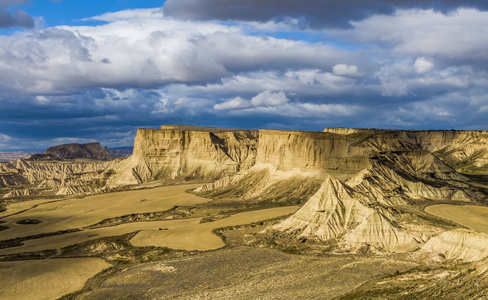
{"x": 176, "y": 153}
{"x": 55, "y": 177}
{"x": 9, "y": 176}
{"x": 459, "y": 244}
{"x": 22, "y": 193}
{"x": 466, "y": 151}
{"x": 337, "y": 211}
{"x": 75, "y": 151}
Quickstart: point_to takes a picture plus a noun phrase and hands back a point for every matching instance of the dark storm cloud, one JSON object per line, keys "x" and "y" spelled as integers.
{"x": 17, "y": 19}
{"x": 313, "y": 13}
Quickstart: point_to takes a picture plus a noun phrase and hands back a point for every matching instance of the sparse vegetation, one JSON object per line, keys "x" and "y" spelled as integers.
{"x": 28, "y": 222}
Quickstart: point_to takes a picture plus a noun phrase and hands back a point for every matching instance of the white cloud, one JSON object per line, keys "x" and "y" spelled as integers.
{"x": 269, "y": 103}
{"x": 5, "y": 138}
{"x": 264, "y": 99}
{"x": 346, "y": 70}
{"x": 268, "y": 98}
{"x": 302, "y": 110}
{"x": 129, "y": 14}
{"x": 141, "y": 68}
{"x": 236, "y": 103}
{"x": 483, "y": 109}
{"x": 462, "y": 34}
{"x": 341, "y": 110}
{"x": 143, "y": 49}
{"x": 423, "y": 65}
{"x": 392, "y": 80}
{"x": 306, "y": 82}
{"x": 42, "y": 99}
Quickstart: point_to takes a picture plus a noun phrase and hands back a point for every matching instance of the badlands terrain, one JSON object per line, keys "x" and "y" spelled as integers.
{"x": 219, "y": 213}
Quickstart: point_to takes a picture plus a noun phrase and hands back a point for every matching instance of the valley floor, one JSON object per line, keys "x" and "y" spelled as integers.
{"x": 154, "y": 244}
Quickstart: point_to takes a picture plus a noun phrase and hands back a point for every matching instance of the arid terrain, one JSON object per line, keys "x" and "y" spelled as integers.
{"x": 211, "y": 213}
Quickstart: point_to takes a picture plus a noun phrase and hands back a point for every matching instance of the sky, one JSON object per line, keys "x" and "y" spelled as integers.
{"x": 76, "y": 71}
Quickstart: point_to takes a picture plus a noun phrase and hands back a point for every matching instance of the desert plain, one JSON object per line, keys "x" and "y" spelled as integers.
{"x": 209, "y": 213}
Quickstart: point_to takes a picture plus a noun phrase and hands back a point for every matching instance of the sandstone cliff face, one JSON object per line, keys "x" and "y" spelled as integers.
{"x": 311, "y": 151}
{"x": 293, "y": 164}
{"x": 466, "y": 151}
{"x": 174, "y": 153}
{"x": 74, "y": 151}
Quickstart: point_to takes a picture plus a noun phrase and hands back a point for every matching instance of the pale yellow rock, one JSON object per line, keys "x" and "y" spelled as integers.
{"x": 309, "y": 151}
{"x": 335, "y": 211}
{"x": 62, "y": 177}
{"x": 328, "y": 214}
{"x": 21, "y": 193}
{"x": 341, "y": 130}
{"x": 459, "y": 244}
{"x": 177, "y": 153}
{"x": 379, "y": 232}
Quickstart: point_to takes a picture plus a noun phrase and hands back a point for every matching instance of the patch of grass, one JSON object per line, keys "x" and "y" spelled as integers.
{"x": 176, "y": 212}
{"x": 29, "y": 222}
{"x": 18, "y": 241}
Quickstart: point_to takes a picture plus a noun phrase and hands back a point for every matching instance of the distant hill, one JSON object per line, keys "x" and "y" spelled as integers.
{"x": 8, "y": 156}
{"x": 73, "y": 151}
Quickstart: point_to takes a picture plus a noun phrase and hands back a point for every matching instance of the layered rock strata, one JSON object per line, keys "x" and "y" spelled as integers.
{"x": 459, "y": 244}
{"x": 467, "y": 151}
{"x": 174, "y": 153}
{"x": 54, "y": 177}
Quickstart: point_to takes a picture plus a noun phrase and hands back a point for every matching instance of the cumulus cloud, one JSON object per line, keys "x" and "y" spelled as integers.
{"x": 147, "y": 51}
{"x": 277, "y": 103}
{"x": 346, "y": 70}
{"x": 306, "y": 82}
{"x": 264, "y": 99}
{"x": 236, "y": 103}
{"x": 142, "y": 68}
{"x": 268, "y": 98}
{"x": 422, "y": 65}
{"x": 314, "y": 13}
{"x": 460, "y": 37}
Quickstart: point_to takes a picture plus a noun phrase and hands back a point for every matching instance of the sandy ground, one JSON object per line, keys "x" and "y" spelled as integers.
{"x": 46, "y": 279}
{"x": 471, "y": 216}
{"x": 77, "y": 213}
{"x": 190, "y": 234}
{"x": 186, "y": 234}
{"x": 20, "y": 206}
